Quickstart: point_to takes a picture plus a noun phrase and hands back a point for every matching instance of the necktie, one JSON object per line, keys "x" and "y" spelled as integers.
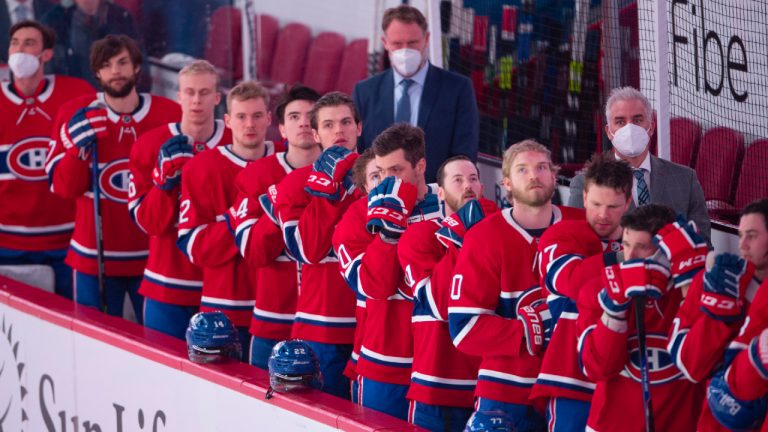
{"x": 643, "y": 195}
{"x": 21, "y": 11}
{"x": 403, "y": 111}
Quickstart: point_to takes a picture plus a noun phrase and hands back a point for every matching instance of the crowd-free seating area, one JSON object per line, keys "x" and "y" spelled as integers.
{"x": 731, "y": 170}
{"x": 288, "y": 54}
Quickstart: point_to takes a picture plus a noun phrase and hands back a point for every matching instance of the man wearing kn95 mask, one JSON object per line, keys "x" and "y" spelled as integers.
{"x": 35, "y": 224}
{"x": 414, "y": 91}
{"x": 630, "y": 125}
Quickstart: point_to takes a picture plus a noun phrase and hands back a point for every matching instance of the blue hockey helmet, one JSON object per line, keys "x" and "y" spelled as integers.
{"x": 733, "y": 413}
{"x": 212, "y": 338}
{"x": 486, "y": 421}
{"x": 293, "y": 366}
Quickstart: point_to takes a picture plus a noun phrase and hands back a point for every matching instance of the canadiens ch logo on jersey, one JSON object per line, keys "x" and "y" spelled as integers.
{"x": 25, "y": 160}
{"x": 113, "y": 180}
{"x": 660, "y": 366}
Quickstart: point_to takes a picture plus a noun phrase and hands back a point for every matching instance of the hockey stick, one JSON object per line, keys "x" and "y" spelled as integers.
{"x": 97, "y": 222}
{"x": 639, "y": 304}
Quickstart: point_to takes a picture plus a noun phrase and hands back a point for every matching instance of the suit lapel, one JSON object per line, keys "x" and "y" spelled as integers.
{"x": 429, "y": 95}
{"x": 656, "y": 179}
{"x": 385, "y": 107}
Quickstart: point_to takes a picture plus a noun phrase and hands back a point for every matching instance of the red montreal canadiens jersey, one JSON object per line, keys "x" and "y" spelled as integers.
{"x": 700, "y": 343}
{"x": 612, "y": 360}
{"x": 745, "y": 380}
{"x": 31, "y": 217}
{"x": 169, "y": 276}
{"x": 352, "y": 227}
{"x": 442, "y": 375}
{"x": 263, "y": 249}
{"x": 372, "y": 269}
{"x": 125, "y": 246}
{"x": 207, "y": 191}
{"x": 495, "y": 266}
{"x": 571, "y": 256}
{"x": 325, "y": 308}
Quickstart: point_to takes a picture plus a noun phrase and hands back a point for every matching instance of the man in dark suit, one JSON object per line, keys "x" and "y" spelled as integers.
{"x": 630, "y": 126}
{"x": 13, "y": 11}
{"x": 440, "y": 102}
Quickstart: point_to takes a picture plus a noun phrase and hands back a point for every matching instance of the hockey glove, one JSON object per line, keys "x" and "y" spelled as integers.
{"x": 331, "y": 176}
{"x": 758, "y": 353}
{"x": 389, "y": 205}
{"x": 455, "y": 226}
{"x": 173, "y": 154}
{"x": 615, "y": 297}
{"x": 267, "y": 202}
{"x": 725, "y": 285}
{"x": 685, "y": 249}
{"x": 537, "y": 323}
{"x": 83, "y": 130}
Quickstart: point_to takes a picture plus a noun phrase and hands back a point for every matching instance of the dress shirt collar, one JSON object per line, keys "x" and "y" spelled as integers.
{"x": 419, "y": 77}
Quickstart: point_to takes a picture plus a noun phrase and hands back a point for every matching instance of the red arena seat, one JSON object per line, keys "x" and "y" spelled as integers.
{"x": 224, "y": 45}
{"x": 753, "y": 179}
{"x": 720, "y": 154}
{"x": 290, "y": 54}
{"x": 267, "y": 29}
{"x": 684, "y": 137}
{"x": 323, "y": 61}
{"x": 354, "y": 65}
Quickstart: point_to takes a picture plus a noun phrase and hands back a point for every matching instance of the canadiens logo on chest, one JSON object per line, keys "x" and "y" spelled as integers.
{"x": 113, "y": 180}
{"x": 26, "y": 159}
{"x": 660, "y": 366}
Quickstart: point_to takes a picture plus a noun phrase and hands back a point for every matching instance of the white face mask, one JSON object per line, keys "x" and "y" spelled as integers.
{"x": 23, "y": 65}
{"x": 631, "y": 140}
{"x": 406, "y": 61}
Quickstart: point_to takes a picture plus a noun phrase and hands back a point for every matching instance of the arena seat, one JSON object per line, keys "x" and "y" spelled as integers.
{"x": 267, "y": 29}
{"x": 753, "y": 179}
{"x": 224, "y": 45}
{"x": 354, "y": 65}
{"x": 720, "y": 153}
{"x": 288, "y": 63}
{"x": 323, "y": 61}
{"x": 684, "y": 138}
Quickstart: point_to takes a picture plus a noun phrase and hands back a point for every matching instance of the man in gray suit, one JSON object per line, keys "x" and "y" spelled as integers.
{"x": 630, "y": 126}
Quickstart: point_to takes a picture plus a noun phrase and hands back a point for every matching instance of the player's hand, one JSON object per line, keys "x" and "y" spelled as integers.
{"x": 174, "y": 153}
{"x": 537, "y": 323}
{"x": 331, "y": 176}
{"x": 455, "y": 226}
{"x": 685, "y": 249}
{"x": 725, "y": 286}
{"x": 389, "y": 205}
{"x": 631, "y": 279}
{"x": 758, "y": 353}
{"x": 83, "y": 130}
{"x": 267, "y": 202}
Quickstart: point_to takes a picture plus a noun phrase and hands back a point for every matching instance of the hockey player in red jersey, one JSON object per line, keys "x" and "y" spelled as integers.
{"x": 35, "y": 225}
{"x": 258, "y": 235}
{"x": 488, "y": 314}
{"x": 711, "y": 323}
{"x": 366, "y": 175}
{"x": 572, "y": 253}
{"x": 366, "y": 242}
{"x": 737, "y": 394}
{"x": 207, "y": 193}
{"x": 171, "y": 284}
{"x": 309, "y": 203}
{"x": 107, "y": 125}
{"x": 610, "y": 338}
{"x": 443, "y": 378}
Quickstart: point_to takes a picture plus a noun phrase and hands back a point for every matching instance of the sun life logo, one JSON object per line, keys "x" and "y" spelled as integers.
{"x": 12, "y": 413}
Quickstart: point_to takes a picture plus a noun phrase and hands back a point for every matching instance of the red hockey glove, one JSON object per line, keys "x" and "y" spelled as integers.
{"x": 685, "y": 249}
{"x": 725, "y": 286}
{"x": 389, "y": 205}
